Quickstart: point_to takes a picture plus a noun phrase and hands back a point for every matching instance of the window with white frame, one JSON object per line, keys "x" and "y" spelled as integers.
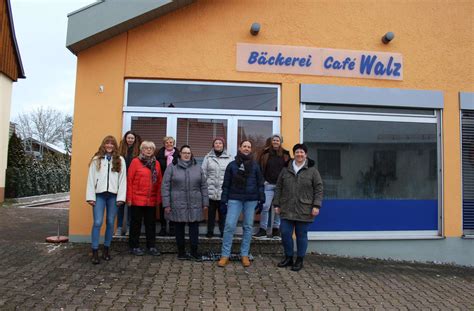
{"x": 379, "y": 165}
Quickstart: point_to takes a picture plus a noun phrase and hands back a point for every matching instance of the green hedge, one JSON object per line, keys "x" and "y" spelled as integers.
{"x": 28, "y": 176}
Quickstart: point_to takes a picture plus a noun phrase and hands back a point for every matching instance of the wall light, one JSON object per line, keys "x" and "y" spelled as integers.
{"x": 388, "y": 37}
{"x": 254, "y": 29}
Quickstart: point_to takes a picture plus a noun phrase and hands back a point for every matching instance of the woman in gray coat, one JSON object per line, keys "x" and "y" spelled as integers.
{"x": 184, "y": 196}
{"x": 214, "y": 165}
{"x": 298, "y": 196}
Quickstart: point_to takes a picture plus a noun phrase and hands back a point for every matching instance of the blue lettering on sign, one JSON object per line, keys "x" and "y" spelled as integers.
{"x": 262, "y": 58}
{"x": 346, "y": 64}
{"x": 370, "y": 62}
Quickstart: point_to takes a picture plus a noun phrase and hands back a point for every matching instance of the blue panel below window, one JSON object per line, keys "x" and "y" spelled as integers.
{"x": 377, "y": 215}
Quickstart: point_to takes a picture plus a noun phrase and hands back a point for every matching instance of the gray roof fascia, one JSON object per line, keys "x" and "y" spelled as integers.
{"x": 105, "y": 19}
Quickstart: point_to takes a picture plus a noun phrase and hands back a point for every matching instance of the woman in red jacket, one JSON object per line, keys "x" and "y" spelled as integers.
{"x": 144, "y": 195}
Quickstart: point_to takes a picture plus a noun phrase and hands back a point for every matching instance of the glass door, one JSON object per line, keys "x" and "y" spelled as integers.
{"x": 198, "y": 130}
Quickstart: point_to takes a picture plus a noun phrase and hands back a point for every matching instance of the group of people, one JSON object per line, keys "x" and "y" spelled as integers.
{"x": 170, "y": 181}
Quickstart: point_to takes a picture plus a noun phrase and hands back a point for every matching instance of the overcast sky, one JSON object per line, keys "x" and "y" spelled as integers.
{"x": 50, "y": 68}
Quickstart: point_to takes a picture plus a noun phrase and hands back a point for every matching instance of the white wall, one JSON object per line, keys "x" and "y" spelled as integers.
{"x": 5, "y": 107}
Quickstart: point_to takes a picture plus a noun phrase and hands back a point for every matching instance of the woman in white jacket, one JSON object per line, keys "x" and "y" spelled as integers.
{"x": 106, "y": 188}
{"x": 214, "y": 165}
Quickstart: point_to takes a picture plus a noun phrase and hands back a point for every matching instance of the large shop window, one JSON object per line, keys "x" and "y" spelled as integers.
{"x": 379, "y": 167}
{"x": 468, "y": 171}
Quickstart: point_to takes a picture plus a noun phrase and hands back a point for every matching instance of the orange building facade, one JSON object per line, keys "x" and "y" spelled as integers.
{"x": 388, "y": 132}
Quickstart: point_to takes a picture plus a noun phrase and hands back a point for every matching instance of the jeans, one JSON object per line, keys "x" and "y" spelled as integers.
{"x": 105, "y": 201}
{"x": 301, "y": 231}
{"x": 211, "y": 217}
{"x": 265, "y": 216}
{"x": 121, "y": 214}
{"x": 234, "y": 208}
{"x": 148, "y": 214}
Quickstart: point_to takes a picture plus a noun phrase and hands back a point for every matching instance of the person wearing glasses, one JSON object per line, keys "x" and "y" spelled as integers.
{"x": 184, "y": 193}
{"x": 144, "y": 196}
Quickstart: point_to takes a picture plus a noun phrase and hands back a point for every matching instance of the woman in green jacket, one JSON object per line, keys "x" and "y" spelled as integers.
{"x": 298, "y": 196}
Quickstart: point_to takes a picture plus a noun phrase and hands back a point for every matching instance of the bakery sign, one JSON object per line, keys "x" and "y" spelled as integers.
{"x": 319, "y": 61}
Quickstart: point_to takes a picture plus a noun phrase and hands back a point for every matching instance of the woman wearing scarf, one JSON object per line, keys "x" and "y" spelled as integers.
{"x": 129, "y": 149}
{"x": 144, "y": 195}
{"x": 214, "y": 165}
{"x": 167, "y": 155}
{"x": 184, "y": 192}
{"x": 106, "y": 187}
{"x": 241, "y": 191}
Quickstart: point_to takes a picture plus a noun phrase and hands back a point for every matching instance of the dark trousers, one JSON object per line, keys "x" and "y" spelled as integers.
{"x": 211, "y": 217}
{"x": 148, "y": 214}
{"x": 193, "y": 234}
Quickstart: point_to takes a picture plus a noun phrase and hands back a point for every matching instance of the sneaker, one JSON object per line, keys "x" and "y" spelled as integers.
{"x": 245, "y": 261}
{"x": 137, "y": 251}
{"x": 261, "y": 233}
{"x": 223, "y": 262}
{"x": 119, "y": 231}
{"x": 128, "y": 232}
{"x": 153, "y": 251}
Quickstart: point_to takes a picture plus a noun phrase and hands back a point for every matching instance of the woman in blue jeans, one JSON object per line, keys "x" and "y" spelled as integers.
{"x": 106, "y": 188}
{"x": 242, "y": 189}
{"x": 298, "y": 196}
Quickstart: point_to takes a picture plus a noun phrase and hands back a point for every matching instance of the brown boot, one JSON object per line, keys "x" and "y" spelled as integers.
{"x": 223, "y": 262}
{"x": 245, "y": 261}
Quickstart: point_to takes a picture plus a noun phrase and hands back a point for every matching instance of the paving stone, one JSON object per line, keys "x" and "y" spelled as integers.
{"x": 37, "y": 276}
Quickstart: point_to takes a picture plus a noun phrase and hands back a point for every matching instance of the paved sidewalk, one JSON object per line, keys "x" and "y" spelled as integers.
{"x": 36, "y": 276}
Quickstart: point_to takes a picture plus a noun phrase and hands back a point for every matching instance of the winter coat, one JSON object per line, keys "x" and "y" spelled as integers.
{"x": 253, "y": 191}
{"x": 105, "y": 180}
{"x": 141, "y": 191}
{"x": 184, "y": 189}
{"x": 214, "y": 170}
{"x": 265, "y": 167}
{"x": 160, "y": 157}
{"x": 297, "y": 194}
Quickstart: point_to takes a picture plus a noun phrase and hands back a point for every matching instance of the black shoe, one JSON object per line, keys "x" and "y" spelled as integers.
{"x": 261, "y": 233}
{"x": 153, "y": 251}
{"x": 95, "y": 257}
{"x": 106, "y": 254}
{"x": 287, "y": 261}
{"x": 195, "y": 255}
{"x": 162, "y": 232}
{"x": 183, "y": 256}
{"x": 171, "y": 233}
{"x": 276, "y": 232}
{"x": 298, "y": 265}
{"x": 137, "y": 251}
{"x": 209, "y": 235}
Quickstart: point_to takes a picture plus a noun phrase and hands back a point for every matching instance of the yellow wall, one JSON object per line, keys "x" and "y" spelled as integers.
{"x": 198, "y": 42}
